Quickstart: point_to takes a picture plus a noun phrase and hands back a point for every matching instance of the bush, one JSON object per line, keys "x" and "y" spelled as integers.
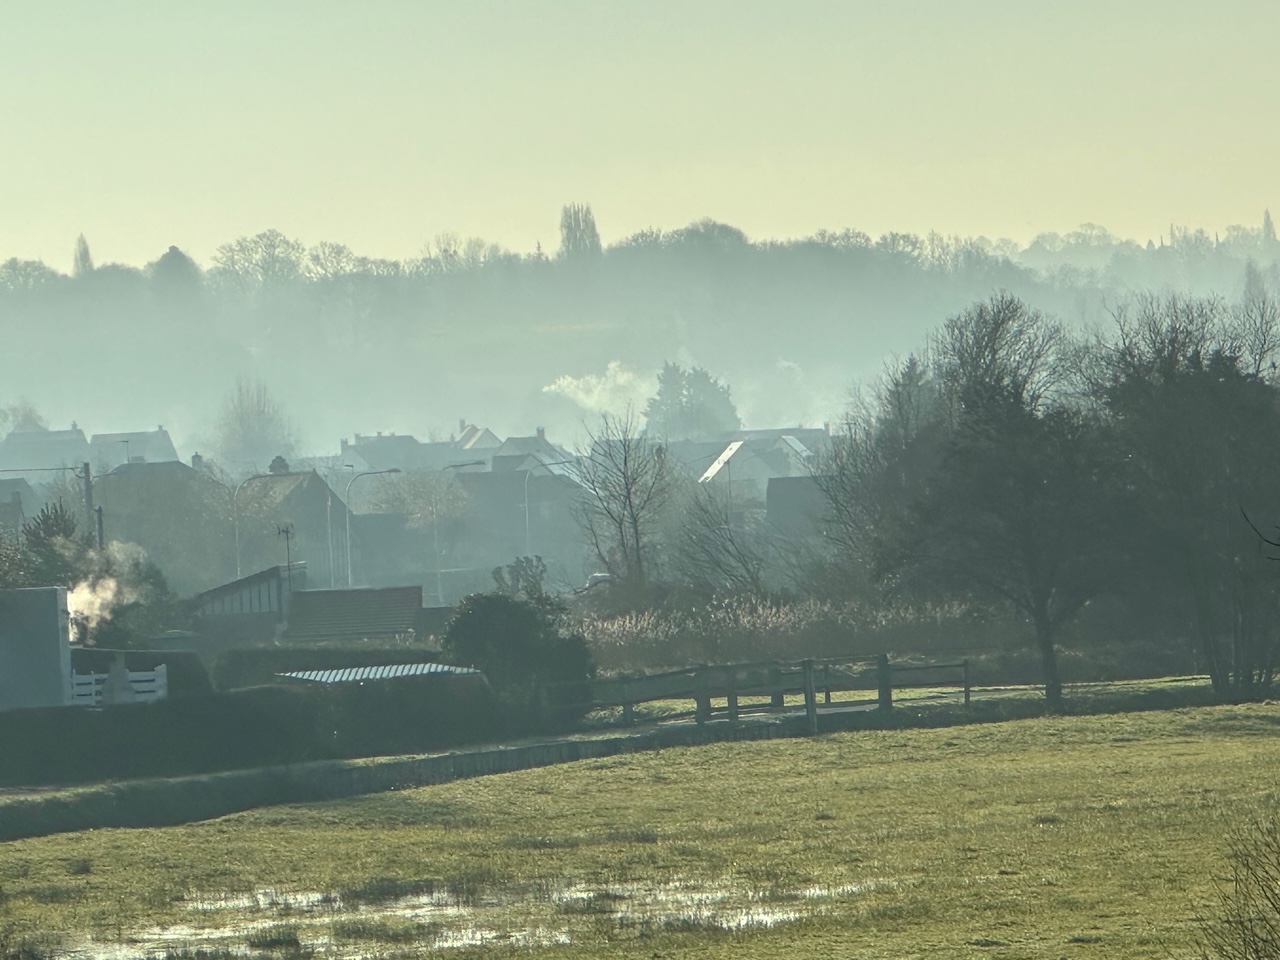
{"x": 1248, "y": 924}
{"x": 521, "y": 645}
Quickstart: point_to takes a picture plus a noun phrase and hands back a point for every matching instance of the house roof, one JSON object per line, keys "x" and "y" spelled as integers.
{"x": 134, "y": 486}
{"x": 477, "y": 438}
{"x": 280, "y": 572}
{"x": 388, "y": 672}
{"x": 514, "y": 450}
{"x": 364, "y": 614}
{"x": 721, "y": 461}
{"x": 40, "y": 448}
{"x": 150, "y": 445}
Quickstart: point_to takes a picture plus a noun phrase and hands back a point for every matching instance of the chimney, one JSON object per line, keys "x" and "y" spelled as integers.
{"x": 462, "y": 425}
{"x": 197, "y": 462}
{"x": 542, "y": 433}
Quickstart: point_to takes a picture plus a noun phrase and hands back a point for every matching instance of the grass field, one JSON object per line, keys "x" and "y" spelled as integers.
{"x": 1083, "y": 837}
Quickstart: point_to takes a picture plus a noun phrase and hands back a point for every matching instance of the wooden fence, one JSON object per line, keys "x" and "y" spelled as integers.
{"x": 735, "y": 682}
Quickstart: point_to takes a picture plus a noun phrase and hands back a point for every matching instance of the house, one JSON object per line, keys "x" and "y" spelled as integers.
{"x": 37, "y": 448}
{"x": 294, "y": 516}
{"x": 524, "y": 453}
{"x": 744, "y": 466}
{"x": 387, "y": 451}
{"x": 180, "y": 515}
{"x": 796, "y": 508}
{"x": 471, "y": 437}
{"x": 18, "y": 503}
{"x": 110, "y": 450}
{"x": 509, "y": 514}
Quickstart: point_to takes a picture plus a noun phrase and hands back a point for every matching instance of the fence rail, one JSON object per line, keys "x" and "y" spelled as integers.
{"x": 732, "y": 682}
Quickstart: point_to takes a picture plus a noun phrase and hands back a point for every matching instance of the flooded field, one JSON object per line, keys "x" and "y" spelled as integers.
{"x": 376, "y": 921}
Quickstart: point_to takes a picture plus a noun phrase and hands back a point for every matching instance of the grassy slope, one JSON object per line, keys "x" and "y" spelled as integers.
{"x": 1079, "y": 837}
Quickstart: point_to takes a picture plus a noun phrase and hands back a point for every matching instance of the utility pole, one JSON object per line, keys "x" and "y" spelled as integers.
{"x": 287, "y": 532}
{"x": 88, "y": 495}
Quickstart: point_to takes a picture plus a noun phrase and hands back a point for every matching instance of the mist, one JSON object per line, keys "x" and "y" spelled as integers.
{"x": 471, "y": 330}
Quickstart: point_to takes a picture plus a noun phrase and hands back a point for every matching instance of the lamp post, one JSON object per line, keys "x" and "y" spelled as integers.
{"x": 435, "y": 527}
{"x": 528, "y": 550}
{"x": 347, "y": 499}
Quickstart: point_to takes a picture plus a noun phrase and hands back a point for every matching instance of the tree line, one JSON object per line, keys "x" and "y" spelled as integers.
{"x": 311, "y": 318}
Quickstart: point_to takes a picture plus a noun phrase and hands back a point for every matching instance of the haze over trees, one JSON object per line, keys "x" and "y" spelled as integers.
{"x": 350, "y": 342}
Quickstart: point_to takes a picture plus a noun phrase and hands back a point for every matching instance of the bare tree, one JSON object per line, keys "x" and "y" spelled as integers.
{"x": 252, "y": 427}
{"x": 627, "y": 482}
{"x": 716, "y": 550}
{"x": 1000, "y": 348}
{"x": 1257, "y": 320}
{"x": 579, "y": 237}
{"x": 424, "y": 496}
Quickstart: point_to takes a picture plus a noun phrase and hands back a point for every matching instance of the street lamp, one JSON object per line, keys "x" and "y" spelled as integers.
{"x": 527, "y": 474}
{"x": 435, "y": 526}
{"x": 347, "y": 499}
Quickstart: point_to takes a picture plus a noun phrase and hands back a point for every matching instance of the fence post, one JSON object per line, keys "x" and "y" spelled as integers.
{"x": 810, "y": 698}
{"x": 628, "y": 709}
{"x": 884, "y": 678}
{"x": 776, "y": 697}
{"x": 967, "y": 690}
{"x": 732, "y": 695}
{"x": 702, "y": 698}
{"x": 826, "y": 679}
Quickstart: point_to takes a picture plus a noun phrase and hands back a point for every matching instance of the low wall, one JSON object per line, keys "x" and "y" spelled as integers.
{"x": 165, "y": 802}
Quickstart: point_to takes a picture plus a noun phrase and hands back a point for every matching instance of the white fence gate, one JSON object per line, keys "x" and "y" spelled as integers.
{"x": 144, "y": 686}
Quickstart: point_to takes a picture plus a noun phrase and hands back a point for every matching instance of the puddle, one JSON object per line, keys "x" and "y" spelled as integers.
{"x": 532, "y": 916}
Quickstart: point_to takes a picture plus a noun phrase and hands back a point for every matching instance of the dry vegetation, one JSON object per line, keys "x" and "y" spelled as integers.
{"x": 1081, "y": 837}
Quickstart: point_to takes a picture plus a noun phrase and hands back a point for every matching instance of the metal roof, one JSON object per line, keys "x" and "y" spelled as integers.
{"x": 724, "y": 458}
{"x": 388, "y": 672}
{"x": 798, "y": 448}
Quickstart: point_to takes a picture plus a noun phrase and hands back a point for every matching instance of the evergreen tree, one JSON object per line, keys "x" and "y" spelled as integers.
{"x": 690, "y": 405}
{"x": 83, "y": 264}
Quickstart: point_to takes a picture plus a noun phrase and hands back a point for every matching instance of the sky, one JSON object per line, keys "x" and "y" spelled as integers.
{"x": 384, "y": 123}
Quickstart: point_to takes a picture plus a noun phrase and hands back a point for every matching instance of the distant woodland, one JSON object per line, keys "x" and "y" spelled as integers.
{"x": 470, "y": 329}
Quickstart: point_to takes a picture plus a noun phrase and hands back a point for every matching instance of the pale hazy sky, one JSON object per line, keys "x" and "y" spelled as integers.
{"x": 382, "y": 123}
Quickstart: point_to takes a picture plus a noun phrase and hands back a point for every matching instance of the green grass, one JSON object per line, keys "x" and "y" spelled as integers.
{"x": 1083, "y": 837}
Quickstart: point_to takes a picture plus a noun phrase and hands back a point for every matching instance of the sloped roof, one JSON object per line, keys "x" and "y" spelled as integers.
{"x": 150, "y": 445}
{"x": 270, "y": 574}
{"x": 478, "y": 438}
{"x": 34, "y": 449}
{"x": 364, "y": 614}
{"x": 388, "y": 672}
{"x": 515, "y": 449}
{"x": 720, "y": 461}
{"x": 135, "y": 487}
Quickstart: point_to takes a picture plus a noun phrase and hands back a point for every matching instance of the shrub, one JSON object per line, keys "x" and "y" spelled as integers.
{"x": 520, "y": 645}
{"x": 1248, "y": 924}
